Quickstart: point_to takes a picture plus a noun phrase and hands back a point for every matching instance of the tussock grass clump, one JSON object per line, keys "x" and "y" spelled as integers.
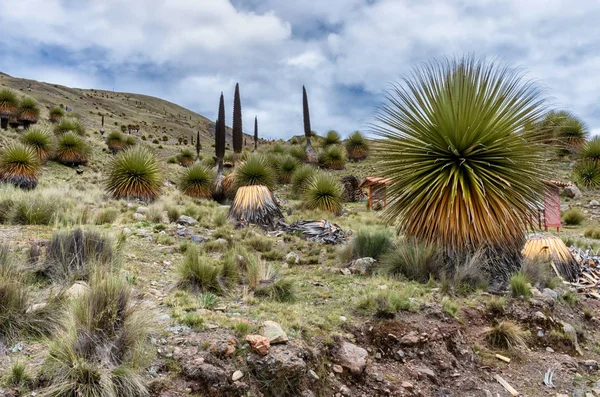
{"x": 384, "y": 303}
{"x": 506, "y": 335}
{"x": 197, "y": 181}
{"x": 587, "y": 173}
{"x": 74, "y": 254}
{"x": 302, "y": 176}
{"x": 115, "y": 140}
{"x": 37, "y": 210}
{"x": 281, "y": 290}
{"x": 102, "y": 349}
{"x": 286, "y": 169}
{"x": 412, "y": 259}
{"x": 332, "y": 157}
{"x": 41, "y": 141}
{"x": 298, "y": 153}
{"x": 20, "y": 166}
{"x": 278, "y": 148}
{"x": 372, "y": 244}
{"x": 519, "y": 285}
{"x": 573, "y": 217}
{"x": 324, "y": 192}
{"x": 331, "y": 138}
{"x": 255, "y": 171}
{"x": 496, "y": 306}
{"x": 199, "y": 272}
{"x": 16, "y": 376}
{"x": 186, "y": 158}
{"x": 56, "y": 114}
{"x": 538, "y": 271}
{"x": 593, "y": 232}
{"x": 357, "y": 146}
{"x": 69, "y": 124}
{"x": 467, "y": 273}
{"x": 134, "y": 174}
{"x": 106, "y": 216}
{"x": 72, "y": 150}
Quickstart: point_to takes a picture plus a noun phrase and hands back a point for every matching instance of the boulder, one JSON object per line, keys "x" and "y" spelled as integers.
{"x": 274, "y": 332}
{"x": 259, "y": 344}
{"x": 77, "y": 290}
{"x": 186, "y": 220}
{"x": 362, "y": 266}
{"x": 551, "y": 293}
{"x": 283, "y": 369}
{"x": 139, "y": 217}
{"x": 573, "y": 192}
{"x": 594, "y": 203}
{"x": 351, "y": 357}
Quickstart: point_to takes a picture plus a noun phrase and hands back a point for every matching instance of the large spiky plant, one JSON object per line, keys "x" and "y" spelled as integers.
{"x": 591, "y": 150}
{"x": 301, "y": 177}
{"x": 324, "y": 192}
{"x": 562, "y": 129}
{"x": 237, "y": 135}
{"x": 255, "y": 133}
{"x": 9, "y": 106}
{"x": 72, "y": 150}
{"x": 115, "y": 140}
{"x": 464, "y": 172}
{"x": 185, "y": 158}
{"x": 134, "y": 174}
{"x": 29, "y": 112}
{"x": 20, "y": 166}
{"x": 332, "y": 138}
{"x": 357, "y": 146}
{"x": 69, "y": 124}
{"x": 256, "y": 170}
{"x": 311, "y": 155}
{"x": 41, "y": 141}
{"x": 587, "y": 173}
{"x": 298, "y": 152}
{"x": 56, "y": 114}
{"x": 197, "y": 181}
{"x": 255, "y": 205}
{"x": 332, "y": 157}
{"x": 286, "y": 169}
{"x": 220, "y": 146}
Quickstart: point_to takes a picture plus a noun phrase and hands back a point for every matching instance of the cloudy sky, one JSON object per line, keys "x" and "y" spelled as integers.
{"x": 346, "y": 52}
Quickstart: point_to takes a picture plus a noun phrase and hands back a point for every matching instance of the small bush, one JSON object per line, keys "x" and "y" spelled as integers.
{"x": 56, "y": 114}
{"x": 281, "y": 290}
{"x": 409, "y": 258}
{"x": 573, "y": 217}
{"x": 72, "y": 150}
{"x": 20, "y": 166}
{"x": 199, "y": 272}
{"x": 255, "y": 171}
{"x": 591, "y": 150}
{"x": 197, "y": 181}
{"x": 383, "y": 303}
{"x": 301, "y": 177}
{"x": 41, "y": 141}
{"x": 538, "y": 271}
{"x": 278, "y": 148}
{"x": 450, "y": 307}
{"x": 134, "y": 174}
{"x": 324, "y": 192}
{"x": 371, "y": 244}
{"x": 333, "y": 158}
{"x": 173, "y": 214}
{"x": 496, "y": 306}
{"x": 106, "y": 216}
{"x": 519, "y": 285}
{"x": 193, "y": 320}
{"x": 506, "y": 335}
{"x": 570, "y": 297}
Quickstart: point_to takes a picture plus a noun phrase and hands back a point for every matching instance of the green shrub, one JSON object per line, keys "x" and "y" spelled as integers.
{"x": 106, "y": 216}
{"x": 29, "y": 111}
{"x": 573, "y": 217}
{"x": 41, "y": 141}
{"x": 173, "y": 214}
{"x": 72, "y": 150}
{"x": 301, "y": 177}
{"x": 371, "y": 244}
{"x": 519, "y": 285}
{"x": 357, "y": 147}
{"x": 278, "y": 148}
{"x": 134, "y": 174}
{"x": 20, "y": 166}
{"x": 409, "y": 258}
{"x": 69, "y": 124}
{"x": 538, "y": 272}
{"x": 193, "y": 320}
{"x": 199, "y": 272}
{"x": 56, "y": 114}
{"x": 450, "y": 307}
{"x": 332, "y": 157}
{"x": 324, "y": 192}
{"x": 197, "y": 181}
{"x": 255, "y": 171}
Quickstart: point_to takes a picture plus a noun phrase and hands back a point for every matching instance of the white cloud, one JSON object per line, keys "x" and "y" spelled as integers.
{"x": 345, "y": 51}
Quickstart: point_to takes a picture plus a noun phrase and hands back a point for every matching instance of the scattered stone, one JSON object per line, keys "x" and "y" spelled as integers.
{"x": 126, "y": 230}
{"x": 549, "y": 349}
{"x": 337, "y": 369}
{"x": 313, "y": 375}
{"x": 259, "y": 344}
{"x": 292, "y": 258}
{"x": 307, "y": 393}
{"x": 362, "y": 266}
{"x": 594, "y": 203}
{"x": 539, "y": 317}
{"x": 237, "y": 375}
{"x": 343, "y": 319}
{"x": 77, "y": 290}
{"x": 590, "y": 365}
{"x": 142, "y": 210}
{"x": 273, "y": 332}
{"x": 186, "y": 220}
{"x": 139, "y": 217}
{"x": 399, "y": 355}
{"x": 352, "y": 357}
{"x": 378, "y": 356}
{"x": 35, "y": 307}
{"x": 345, "y": 271}
{"x": 410, "y": 339}
{"x": 198, "y": 239}
{"x": 573, "y": 192}
{"x": 551, "y": 293}
{"x": 407, "y": 385}
{"x": 570, "y": 331}
{"x": 285, "y": 365}
{"x": 426, "y": 371}
{"x": 221, "y": 241}
{"x": 345, "y": 390}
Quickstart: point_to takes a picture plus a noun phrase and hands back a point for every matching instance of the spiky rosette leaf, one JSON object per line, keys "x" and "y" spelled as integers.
{"x": 332, "y": 138}
{"x": 29, "y": 111}
{"x": 9, "y": 103}
{"x": 134, "y": 174}
{"x": 41, "y": 141}
{"x": 72, "y": 150}
{"x": 69, "y": 124}
{"x": 465, "y": 174}
{"x": 357, "y": 146}
{"x": 115, "y": 140}
{"x": 19, "y": 165}
{"x": 255, "y": 205}
{"x": 197, "y": 181}
{"x": 56, "y": 114}
{"x": 255, "y": 171}
{"x": 573, "y": 132}
{"x": 298, "y": 153}
{"x": 302, "y": 177}
{"x": 332, "y": 157}
{"x": 587, "y": 173}
{"x": 286, "y": 169}
{"x": 324, "y": 192}
{"x": 186, "y": 158}
{"x": 591, "y": 150}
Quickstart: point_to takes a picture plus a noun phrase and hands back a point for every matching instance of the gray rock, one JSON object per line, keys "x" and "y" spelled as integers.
{"x": 313, "y": 375}
{"x": 127, "y": 230}
{"x": 273, "y": 332}
{"x": 77, "y": 290}
{"x": 285, "y": 364}
{"x": 594, "y": 203}
{"x": 410, "y": 339}
{"x": 221, "y": 241}
{"x": 551, "y": 293}
{"x": 362, "y": 266}
{"x": 144, "y": 233}
{"x": 399, "y": 355}
{"x": 292, "y": 258}
{"x": 198, "y": 239}
{"x": 187, "y": 220}
{"x": 352, "y": 357}
{"x": 139, "y": 217}
{"x": 426, "y": 371}
{"x": 142, "y": 210}
{"x": 183, "y": 232}
{"x": 237, "y": 375}
{"x": 573, "y": 192}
